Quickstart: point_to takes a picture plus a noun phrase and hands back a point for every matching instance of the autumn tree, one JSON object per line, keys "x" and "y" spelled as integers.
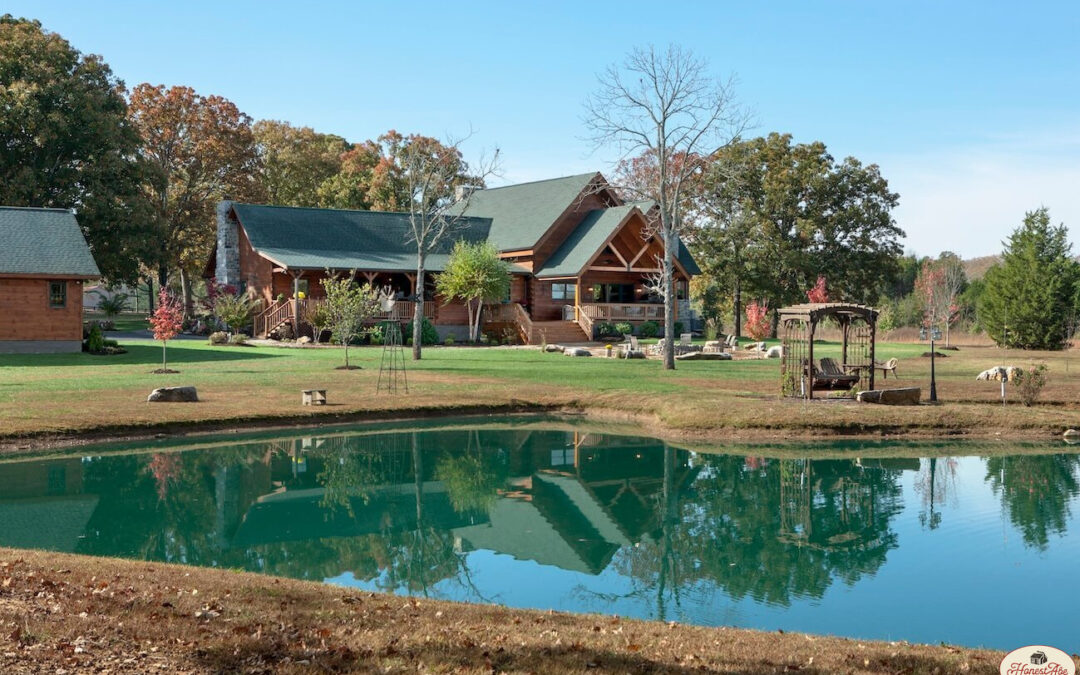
{"x": 296, "y": 164}
{"x": 167, "y": 321}
{"x": 1029, "y": 298}
{"x": 818, "y": 293}
{"x": 66, "y": 142}
{"x": 426, "y": 179}
{"x": 475, "y": 274}
{"x": 350, "y": 187}
{"x": 201, "y": 150}
{"x": 938, "y": 288}
{"x": 664, "y": 107}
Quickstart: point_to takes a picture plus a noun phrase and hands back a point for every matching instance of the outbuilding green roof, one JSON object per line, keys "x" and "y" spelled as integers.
{"x": 316, "y": 239}
{"x": 43, "y": 241}
{"x": 521, "y": 214}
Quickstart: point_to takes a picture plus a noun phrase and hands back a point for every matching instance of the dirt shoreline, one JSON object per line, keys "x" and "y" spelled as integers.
{"x": 74, "y": 614}
{"x": 45, "y": 441}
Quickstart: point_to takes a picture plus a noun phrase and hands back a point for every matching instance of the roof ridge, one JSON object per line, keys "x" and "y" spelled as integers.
{"x": 333, "y": 210}
{"x": 37, "y": 208}
{"x": 541, "y": 180}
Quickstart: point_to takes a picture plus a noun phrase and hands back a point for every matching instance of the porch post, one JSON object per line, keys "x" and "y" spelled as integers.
{"x": 577, "y": 300}
{"x": 810, "y": 364}
{"x": 296, "y": 302}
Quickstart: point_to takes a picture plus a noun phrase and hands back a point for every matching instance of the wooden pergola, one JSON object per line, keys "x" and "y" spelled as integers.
{"x": 800, "y": 374}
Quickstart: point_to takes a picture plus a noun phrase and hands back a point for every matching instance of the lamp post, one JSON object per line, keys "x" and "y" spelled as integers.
{"x": 933, "y": 378}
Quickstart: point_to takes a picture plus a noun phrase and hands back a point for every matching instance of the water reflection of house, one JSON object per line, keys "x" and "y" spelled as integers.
{"x": 583, "y": 501}
{"x": 43, "y": 505}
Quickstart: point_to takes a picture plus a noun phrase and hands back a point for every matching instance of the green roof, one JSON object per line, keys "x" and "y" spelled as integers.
{"x": 584, "y": 242}
{"x": 521, "y": 214}
{"x": 304, "y": 238}
{"x": 43, "y": 241}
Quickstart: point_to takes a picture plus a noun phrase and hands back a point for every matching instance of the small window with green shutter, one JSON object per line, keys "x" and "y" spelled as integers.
{"x": 57, "y": 294}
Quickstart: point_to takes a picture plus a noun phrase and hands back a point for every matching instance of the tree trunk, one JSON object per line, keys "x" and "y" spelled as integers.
{"x": 164, "y": 361}
{"x": 479, "y": 314}
{"x": 468, "y": 308}
{"x": 346, "y": 341}
{"x": 185, "y": 291}
{"x": 150, "y": 293}
{"x": 418, "y": 312}
{"x": 669, "y": 298}
{"x": 738, "y": 307}
{"x": 163, "y": 277}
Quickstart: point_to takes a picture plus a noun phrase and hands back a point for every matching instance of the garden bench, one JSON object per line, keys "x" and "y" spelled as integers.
{"x": 313, "y": 396}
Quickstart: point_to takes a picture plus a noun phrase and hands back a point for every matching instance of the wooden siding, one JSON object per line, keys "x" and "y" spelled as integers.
{"x": 24, "y": 304}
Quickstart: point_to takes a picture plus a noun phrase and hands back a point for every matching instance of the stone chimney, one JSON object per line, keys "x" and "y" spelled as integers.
{"x": 228, "y": 245}
{"x": 463, "y": 192}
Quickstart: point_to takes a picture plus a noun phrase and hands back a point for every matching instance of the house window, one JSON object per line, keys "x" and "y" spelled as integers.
{"x": 563, "y": 292}
{"x": 619, "y": 293}
{"x": 57, "y": 294}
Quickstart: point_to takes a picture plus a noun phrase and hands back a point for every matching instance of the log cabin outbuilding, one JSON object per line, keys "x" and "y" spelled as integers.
{"x": 44, "y": 262}
{"x": 579, "y": 255}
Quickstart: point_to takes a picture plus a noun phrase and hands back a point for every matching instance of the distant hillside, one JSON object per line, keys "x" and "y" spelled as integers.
{"x": 976, "y": 267}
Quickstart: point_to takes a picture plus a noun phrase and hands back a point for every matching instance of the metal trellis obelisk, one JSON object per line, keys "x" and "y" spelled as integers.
{"x": 392, "y": 366}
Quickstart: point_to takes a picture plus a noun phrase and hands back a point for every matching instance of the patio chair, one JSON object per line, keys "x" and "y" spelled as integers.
{"x": 887, "y": 367}
{"x": 631, "y": 346}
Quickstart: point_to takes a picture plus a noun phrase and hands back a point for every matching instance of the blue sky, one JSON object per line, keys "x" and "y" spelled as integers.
{"x": 969, "y": 108}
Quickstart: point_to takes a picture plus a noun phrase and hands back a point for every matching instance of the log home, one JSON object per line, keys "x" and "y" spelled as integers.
{"x": 44, "y": 261}
{"x": 578, "y": 253}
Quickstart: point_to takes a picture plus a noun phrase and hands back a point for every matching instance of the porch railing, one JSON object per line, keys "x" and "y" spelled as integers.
{"x": 403, "y": 311}
{"x": 605, "y": 311}
{"x": 584, "y": 320}
{"x": 511, "y": 312}
{"x": 274, "y": 316}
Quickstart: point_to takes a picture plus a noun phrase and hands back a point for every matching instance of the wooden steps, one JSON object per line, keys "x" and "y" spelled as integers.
{"x": 557, "y": 332}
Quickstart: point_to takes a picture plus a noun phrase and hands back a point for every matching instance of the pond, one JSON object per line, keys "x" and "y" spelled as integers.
{"x": 917, "y": 542}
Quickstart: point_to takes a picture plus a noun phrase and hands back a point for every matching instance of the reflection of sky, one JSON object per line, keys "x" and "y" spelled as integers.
{"x": 971, "y": 581}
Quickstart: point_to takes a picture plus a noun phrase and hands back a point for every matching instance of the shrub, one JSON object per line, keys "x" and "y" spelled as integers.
{"x": 234, "y": 311}
{"x": 606, "y": 329}
{"x": 238, "y": 339}
{"x": 449, "y": 340}
{"x": 219, "y": 338}
{"x": 1029, "y": 383}
{"x": 649, "y": 329}
{"x": 408, "y": 341}
{"x": 428, "y": 334}
{"x": 95, "y": 341}
{"x": 624, "y": 328}
{"x": 678, "y": 327}
{"x": 376, "y": 334}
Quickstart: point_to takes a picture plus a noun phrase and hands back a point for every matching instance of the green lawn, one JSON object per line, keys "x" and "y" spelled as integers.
{"x": 70, "y": 393}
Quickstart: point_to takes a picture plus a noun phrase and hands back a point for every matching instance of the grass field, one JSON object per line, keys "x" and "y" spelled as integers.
{"x": 66, "y": 394}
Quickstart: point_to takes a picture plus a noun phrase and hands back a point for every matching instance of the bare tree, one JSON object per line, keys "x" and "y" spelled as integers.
{"x": 438, "y": 185}
{"x": 664, "y": 109}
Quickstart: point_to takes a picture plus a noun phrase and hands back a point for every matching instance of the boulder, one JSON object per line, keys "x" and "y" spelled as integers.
{"x": 632, "y": 354}
{"x": 303, "y": 340}
{"x": 905, "y": 396}
{"x": 775, "y": 352}
{"x": 576, "y": 351}
{"x": 714, "y": 345}
{"x": 554, "y": 348}
{"x": 704, "y": 356}
{"x": 173, "y": 395}
{"x": 1072, "y": 436}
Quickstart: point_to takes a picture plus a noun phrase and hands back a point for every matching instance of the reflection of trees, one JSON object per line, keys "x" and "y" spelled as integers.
{"x": 769, "y": 530}
{"x": 935, "y": 482}
{"x": 1036, "y": 490}
{"x": 473, "y": 479}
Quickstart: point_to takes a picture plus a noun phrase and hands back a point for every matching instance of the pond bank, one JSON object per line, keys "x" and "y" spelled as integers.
{"x": 85, "y": 614}
{"x": 614, "y": 420}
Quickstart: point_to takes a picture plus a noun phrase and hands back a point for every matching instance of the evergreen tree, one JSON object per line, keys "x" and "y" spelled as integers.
{"x": 1028, "y": 299}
